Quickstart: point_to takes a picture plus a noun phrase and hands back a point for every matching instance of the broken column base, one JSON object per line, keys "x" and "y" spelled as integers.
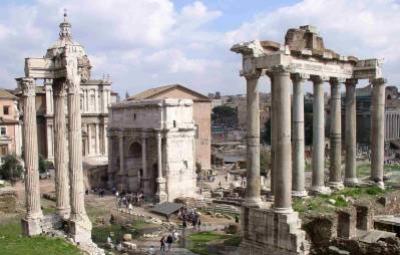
{"x": 272, "y": 233}
{"x": 80, "y": 231}
{"x": 31, "y": 227}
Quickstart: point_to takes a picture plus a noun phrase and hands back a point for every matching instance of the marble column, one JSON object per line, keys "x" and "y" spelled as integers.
{"x": 80, "y": 225}
{"x": 335, "y": 170}
{"x": 60, "y": 150}
{"x": 377, "y": 131}
{"x": 298, "y": 180}
{"x": 110, "y": 169}
{"x": 253, "y": 189}
{"x": 161, "y": 188}
{"x": 273, "y": 137}
{"x": 283, "y": 152}
{"x": 97, "y": 139}
{"x": 121, "y": 152}
{"x": 318, "y": 150}
{"x": 145, "y": 183}
{"x": 31, "y": 222}
{"x": 350, "y": 176}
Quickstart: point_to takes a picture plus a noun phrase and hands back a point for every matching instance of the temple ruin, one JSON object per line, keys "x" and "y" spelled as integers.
{"x": 275, "y": 229}
{"x": 66, "y": 65}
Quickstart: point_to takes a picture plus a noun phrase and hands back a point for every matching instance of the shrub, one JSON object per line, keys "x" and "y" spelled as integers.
{"x": 11, "y": 169}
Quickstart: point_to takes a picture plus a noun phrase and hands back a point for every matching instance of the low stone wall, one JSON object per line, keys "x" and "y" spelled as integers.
{"x": 8, "y": 200}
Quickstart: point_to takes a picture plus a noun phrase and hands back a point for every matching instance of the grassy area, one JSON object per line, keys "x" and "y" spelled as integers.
{"x": 12, "y": 243}
{"x": 198, "y": 241}
{"x": 339, "y": 199}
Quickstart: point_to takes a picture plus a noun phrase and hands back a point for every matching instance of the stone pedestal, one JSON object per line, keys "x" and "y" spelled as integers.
{"x": 161, "y": 194}
{"x": 80, "y": 230}
{"x": 31, "y": 227}
{"x": 267, "y": 232}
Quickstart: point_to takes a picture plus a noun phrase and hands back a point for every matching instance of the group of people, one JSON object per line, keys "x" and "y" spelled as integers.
{"x": 189, "y": 216}
{"x": 128, "y": 200}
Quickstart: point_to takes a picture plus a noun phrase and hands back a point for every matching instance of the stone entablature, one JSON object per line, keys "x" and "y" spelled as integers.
{"x": 152, "y": 148}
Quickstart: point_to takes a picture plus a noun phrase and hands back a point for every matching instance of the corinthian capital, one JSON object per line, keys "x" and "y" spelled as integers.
{"x": 351, "y": 82}
{"x": 281, "y": 69}
{"x": 60, "y": 88}
{"x": 27, "y": 86}
{"x": 299, "y": 77}
{"x": 378, "y": 81}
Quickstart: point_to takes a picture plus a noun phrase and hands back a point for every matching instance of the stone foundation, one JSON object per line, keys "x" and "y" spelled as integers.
{"x": 266, "y": 232}
{"x": 80, "y": 231}
{"x": 31, "y": 227}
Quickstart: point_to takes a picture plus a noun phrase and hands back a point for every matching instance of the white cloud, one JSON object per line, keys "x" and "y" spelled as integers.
{"x": 144, "y": 43}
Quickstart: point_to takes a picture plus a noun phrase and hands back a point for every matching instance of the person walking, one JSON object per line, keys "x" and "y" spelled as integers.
{"x": 170, "y": 240}
{"x": 162, "y": 245}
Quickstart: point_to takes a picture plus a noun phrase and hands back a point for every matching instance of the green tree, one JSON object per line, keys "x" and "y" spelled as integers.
{"x": 223, "y": 112}
{"x": 44, "y": 165}
{"x": 11, "y": 169}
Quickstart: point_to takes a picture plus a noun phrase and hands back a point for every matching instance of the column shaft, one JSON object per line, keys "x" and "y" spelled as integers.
{"x": 144, "y": 162}
{"x": 283, "y": 152}
{"x": 80, "y": 224}
{"x": 335, "y": 171}
{"x": 298, "y": 180}
{"x": 350, "y": 135}
{"x": 110, "y": 168}
{"x": 60, "y": 150}
{"x": 318, "y": 150}
{"x": 31, "y": 221}
{"x": 377, "y": 131}
{"x": 161, "y": 194}
{"x": 253, "y": 142}
{"x": 273, "y": 135}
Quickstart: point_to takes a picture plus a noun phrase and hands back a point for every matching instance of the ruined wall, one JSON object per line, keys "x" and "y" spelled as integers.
{"x": 8, "y": 200}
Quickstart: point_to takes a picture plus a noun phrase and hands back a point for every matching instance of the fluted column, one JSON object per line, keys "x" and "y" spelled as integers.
{"x": 60, "y": 150}
{"x": 318, "y": 150}
{"x": 161, "y": 189}
{"x": 80, "y": 225}
{"x": 298, "y": 178}
{"x": 350, "y": 178}
{"x": 283, "y": 152}
{"x": 31, "y": 221}
{"x": 110, "y": 168}
{"x": 377, "y": 131}
{"x": 273, "y": 136}
{"x": 335, "y": 170}
{"x": 253, "y": 188}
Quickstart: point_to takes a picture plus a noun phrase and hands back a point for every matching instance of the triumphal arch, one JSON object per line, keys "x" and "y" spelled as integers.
{"x": 65, "y": 65}
{"x": 275, "y": 229}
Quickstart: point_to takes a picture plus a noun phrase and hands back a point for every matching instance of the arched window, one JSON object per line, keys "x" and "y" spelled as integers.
{"x": 135, "y": 150}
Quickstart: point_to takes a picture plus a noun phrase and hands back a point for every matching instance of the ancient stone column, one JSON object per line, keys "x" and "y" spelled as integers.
{"x": 60, "y": 150}
{"x": 298, "y": 180}
{"x": 350, "y": 178}
{"x": 110, "y": 168}
{"x": 335, "y": 170}
{"x": 283, "y": 152}
{"x": 161, "y": 194}
{"x": 273, "y": 137}
{"x": 377, "y": 131}
{"x": 253, "y": 188}
{"x": 121, "y": 152}
{"x": 145, "y": 182}
{"x": 31, "y": 223}
{"x": 80, "y": 225}
{"x": 318, "y": 150}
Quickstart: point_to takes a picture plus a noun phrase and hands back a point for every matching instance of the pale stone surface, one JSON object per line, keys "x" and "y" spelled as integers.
{"x": 32, "y": 220}
{"x": 158, "y": 147}
{"x": 350, "y": 178}
{"x": 60, "y": 151}
{"x": 377, "y": 131}
{"x": 253, "y": 142}
{"x": 298, "y": 180}
{"x": 335, "y": 171}
{"x": 318, "y": 152}
{"x": 283, "y": 152}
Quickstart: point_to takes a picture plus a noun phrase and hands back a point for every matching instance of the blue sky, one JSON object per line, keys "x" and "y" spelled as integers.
{"x": 147, "y": 43}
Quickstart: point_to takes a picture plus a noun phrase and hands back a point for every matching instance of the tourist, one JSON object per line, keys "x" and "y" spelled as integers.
{"x": 198, "y": 224}
{"x": 170, "y": 240}
{"x": 130, "y": 208}
{"x": 162, "y": 245}
{"x": 175, "y": 235}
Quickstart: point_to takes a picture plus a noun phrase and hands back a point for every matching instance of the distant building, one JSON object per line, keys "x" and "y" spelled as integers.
{"x": 201, "y": 115}
{"x": 10, "y": 129}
